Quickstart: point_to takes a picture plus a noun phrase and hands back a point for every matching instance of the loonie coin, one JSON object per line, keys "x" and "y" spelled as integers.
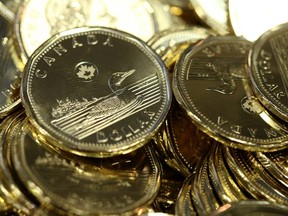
{"x": 169, "y": 44}
{"x": 9, "y": 73}
{"x": 276, "y": 163}
{"x": 268, "y": 70}
{"x": 211, "y": 82}
{"x": 227, "y": 190}
{"x": 213, "y": 13}
{"x": 10, "y": 190}
{"x": 184, "y": 204}
{"x": 66, "y": 183}
{"x": 36, "y": 21}
{"x": 252, "y": 208}
{"x": 254, "y": 178}
{"x": 250, "y": 19}
{"x": 96, "y": 91}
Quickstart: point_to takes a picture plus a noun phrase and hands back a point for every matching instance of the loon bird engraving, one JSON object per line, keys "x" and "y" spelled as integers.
{"x": 101, "y": 112}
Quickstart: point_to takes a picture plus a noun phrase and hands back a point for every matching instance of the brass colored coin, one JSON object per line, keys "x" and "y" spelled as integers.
{"x": 211, "y": 82}
{"x": 213, "y": 13}
{"x": 202, "y": 192}
{"x": 86, "y": 96}
{"x": 268, "y": 70}
{"x": 252, "y": 208}
{"x": 254, "y": 178}
{"x": 250, "y": 19}
{"x": 12, "y": 193}
{"x": 9, "y": 74}
{"x": 224, "y": 185}
{"x": 276, "y": 163}
{"x": 187, "y": 142}
{"x": 171, "y": 184}
{"x": 67, "y": 183}
{"x": 37, "y": 21}
{"x": 170, "y": 44}
{"x": 184, "y": 204}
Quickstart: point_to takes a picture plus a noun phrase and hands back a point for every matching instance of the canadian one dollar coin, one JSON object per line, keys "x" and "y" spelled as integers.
{"x": 96, "y": 91}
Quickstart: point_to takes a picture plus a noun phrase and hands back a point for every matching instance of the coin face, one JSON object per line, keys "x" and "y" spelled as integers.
{"x": 38, "y": 20}
{"x": 9, "y": 74}
{"x": 96, "y": 91}
{"x": 83, "y": 185}
{"x": 250, "y": 19}
{"x": 210, "y": 82}
{"x": 268, "y": 70}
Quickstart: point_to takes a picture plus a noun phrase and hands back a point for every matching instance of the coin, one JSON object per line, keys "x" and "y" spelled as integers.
{"x": 254, "y": 178}
{"x": 85, "y": 95}
{"x": 224, "y": 185}
{"x": 211, "y": 82}
{"x": 37, "y": 21}
{"x": 276, "y": 164}
{"x": 253, "y": 208}
{"x": 184, "y": 205}
{"x": 9, "y": 74}
{"x": 250, "y": 19}
{"x": 213, "y": 13}
{"x": 268, "y": 70}
{"x": 12, "y": 193}
{"x": 169, "y": 44}
{"x": 67, "y": 183}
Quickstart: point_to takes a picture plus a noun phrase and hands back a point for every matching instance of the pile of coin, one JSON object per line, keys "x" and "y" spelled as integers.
{"x": 142, "y": 107}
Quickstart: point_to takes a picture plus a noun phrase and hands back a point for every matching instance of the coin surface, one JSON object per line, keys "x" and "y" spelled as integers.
{"x": 77, "y": 185}
{"x": 213, "y": 13}
{"x": 37, "y": 21}
{"x": 250, "y": 19}
{"x": 9, "y": 73}
{"x": 96, "y": 91}
{"x": 211, "y": 82}
{"x": 268, "y": 70}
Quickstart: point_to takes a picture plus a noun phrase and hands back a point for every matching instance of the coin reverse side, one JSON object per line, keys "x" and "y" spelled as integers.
{"x": 96, "y": 91}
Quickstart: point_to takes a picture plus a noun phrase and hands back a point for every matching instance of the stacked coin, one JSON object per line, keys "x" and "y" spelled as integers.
{"x": 141, "y": 107}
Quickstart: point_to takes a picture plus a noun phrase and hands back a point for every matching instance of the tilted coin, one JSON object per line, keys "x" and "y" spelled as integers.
{"x": 67, "y": 183}
{"x": 225, "y": 187}
{"x": 9, "y": 73}
{"x": 10, "y": 189}
{"x": 213, "y": 13}
{"x": 37, "y": 21}
{"x": 206, "y": 201}
{"x": 252, "y": 208}
{"x": 250, "y": 19}
{"x": 268, "y": 70}
{"x": 254, "y": 178}
{"x": 211, "y": 82}
{"x": 276, "y": 163}
{"x": 96, "y": 91}
{"x": 169, "y": 44}
{"x": 184, "y": 205}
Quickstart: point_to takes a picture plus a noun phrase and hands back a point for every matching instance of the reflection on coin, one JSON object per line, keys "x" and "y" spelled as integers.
{"x": 82, "y": 185}
{"x": 210, "y": 82}
{"x": 9, "y": 74}
{"x": 87, "y": 96}
{"x": 268, "y": 70}
{"x": 38, "y": 20}
{"x": 250, "y": 19}
{"x": 252, "y": 208}
{"x": 213, "y": 13}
